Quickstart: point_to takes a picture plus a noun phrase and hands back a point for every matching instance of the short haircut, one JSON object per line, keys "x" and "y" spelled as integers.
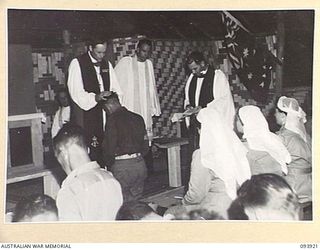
{"x": 113, "y": 98}
{"x": 134, "y": 210}
{"x": 68, "y": 135}
{"x": 144, "y": 41}
{"x": 96, "y": 40}
{"x": 195, "y": 56}
{"x": 34, "y": 205}
{"x": 198, "y": 214}
{"x": 265, "y": 191}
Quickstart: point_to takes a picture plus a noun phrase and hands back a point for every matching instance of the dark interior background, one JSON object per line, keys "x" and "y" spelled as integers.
{"x": 43, "y": 29}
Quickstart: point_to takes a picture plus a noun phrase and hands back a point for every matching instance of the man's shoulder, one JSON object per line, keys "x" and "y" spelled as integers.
{"x": 84, "y": 180}
{"x": 126, "y": 58}
{"x": 134, "y": 115}
{"x": 81, "y": 56}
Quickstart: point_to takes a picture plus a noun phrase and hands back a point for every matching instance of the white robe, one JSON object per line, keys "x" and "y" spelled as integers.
{"x": 137, "y": 82}
{"x": 223, "y": 100}
{"x": 61, "y": 117}
{"x": 222, "y": 151}
{"x": 256, "y": 131}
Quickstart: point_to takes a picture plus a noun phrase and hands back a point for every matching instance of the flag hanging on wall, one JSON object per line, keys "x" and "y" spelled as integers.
{"x": 251, "y": 61}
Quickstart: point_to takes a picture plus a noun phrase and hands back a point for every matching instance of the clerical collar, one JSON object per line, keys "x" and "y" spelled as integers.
{"x": 204, "y": 71}
{"x": 91, "y": 58}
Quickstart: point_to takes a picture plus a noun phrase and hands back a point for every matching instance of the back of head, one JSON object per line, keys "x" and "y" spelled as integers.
{"x": 198, "y": 214}
{"x": 134, "y": 210}
{"x": 266, "y": 197}
{"x": 36, "y": 208}
{"x": 69, "y": 135}
{"x": 111, "y": 102}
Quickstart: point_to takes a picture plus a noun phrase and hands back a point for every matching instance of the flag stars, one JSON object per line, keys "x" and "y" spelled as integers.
{"x": 245, "y": 52}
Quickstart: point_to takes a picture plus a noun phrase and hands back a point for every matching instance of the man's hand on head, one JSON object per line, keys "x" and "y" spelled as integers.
{"x": 102, "y": 96}
{"x": 188, "y": 107}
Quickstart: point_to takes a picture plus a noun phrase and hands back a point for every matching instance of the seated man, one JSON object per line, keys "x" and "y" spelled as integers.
{"x": 265, "y": 197}
{"x": 62, "y": 115}
{"x": 89, "y": 193}
{"x": 35, "y": 208}
{"x": 124, "y": 145}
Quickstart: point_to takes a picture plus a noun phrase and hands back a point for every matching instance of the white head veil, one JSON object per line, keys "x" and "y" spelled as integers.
{"x": 259, "y": 137}
{"x": 296, "y": 117}
{"x": 222, "y": 151}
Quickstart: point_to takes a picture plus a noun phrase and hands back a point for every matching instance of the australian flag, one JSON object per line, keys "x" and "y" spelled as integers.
{"x": 253, "y": 63}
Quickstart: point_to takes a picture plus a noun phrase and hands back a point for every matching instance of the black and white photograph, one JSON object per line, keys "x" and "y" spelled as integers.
{"x": 159, "y": 116}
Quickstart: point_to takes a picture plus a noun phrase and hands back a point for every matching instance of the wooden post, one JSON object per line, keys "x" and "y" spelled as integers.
{"x": 280, "y": 50}
{"x": 174, "y": 166}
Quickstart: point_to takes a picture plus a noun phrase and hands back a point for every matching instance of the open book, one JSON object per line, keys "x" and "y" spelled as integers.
{"x": 178, "y": 116}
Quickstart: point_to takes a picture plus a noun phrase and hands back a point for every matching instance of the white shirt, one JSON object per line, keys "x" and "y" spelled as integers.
{"x": 199, "y": 85}
{"x": 61, "y": 117}
{"x": 89, "y": 193}
{"x": 86, "y": 100}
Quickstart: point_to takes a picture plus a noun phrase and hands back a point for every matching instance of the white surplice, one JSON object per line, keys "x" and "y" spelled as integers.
{"x": 137, "y": 82}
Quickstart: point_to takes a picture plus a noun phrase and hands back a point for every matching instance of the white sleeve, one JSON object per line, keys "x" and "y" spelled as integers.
{"x": 155, "y": 103}
{"x": 68, "y": 208}
{"x": 55, "y": 124}
{"x": 186, "y": 92}
{"x": 114, "y": 83}
{"x": 82, "y": 98}
{"x": 223, "y": 99}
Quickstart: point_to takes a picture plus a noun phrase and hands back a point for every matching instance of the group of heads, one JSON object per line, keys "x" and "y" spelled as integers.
{"x": 266, "y": 196}
{"x": 263, "y": 197}
{"x": 98, "y": 49}
{"x": 195, "y": 60}
{"x": 285, "y": 108}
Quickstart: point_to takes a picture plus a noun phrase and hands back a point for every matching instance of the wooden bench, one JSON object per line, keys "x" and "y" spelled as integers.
{"x": 19, "y": 174}
{"x": 304, "y": 202}
{"x": 174, "y": 162}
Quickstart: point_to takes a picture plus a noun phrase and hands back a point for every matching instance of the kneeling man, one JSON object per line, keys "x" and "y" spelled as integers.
{"x": 89, "y": 193}
{"x": 124, "y": 145}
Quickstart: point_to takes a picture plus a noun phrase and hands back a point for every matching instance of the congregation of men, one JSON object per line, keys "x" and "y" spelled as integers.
{"x": 103, "y": 144}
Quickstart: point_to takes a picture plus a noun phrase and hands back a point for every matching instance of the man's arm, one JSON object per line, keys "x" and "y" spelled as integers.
{"x": 186, "y": 93}
{"x": 114, "y": 83}
{"x": 155, "y": 103}
{"x": 109, "y": 143}
{"x": 67, "y": 206}
{"x": 55, "y": 124}
{"x": 144, "y": 138}
{"x": 85, "y": 100}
